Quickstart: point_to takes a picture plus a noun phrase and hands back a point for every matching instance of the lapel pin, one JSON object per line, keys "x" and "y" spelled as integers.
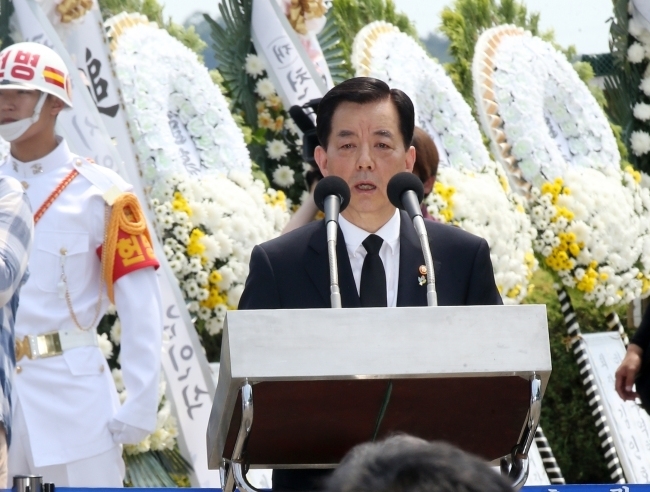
{"x": 422, "y": 279}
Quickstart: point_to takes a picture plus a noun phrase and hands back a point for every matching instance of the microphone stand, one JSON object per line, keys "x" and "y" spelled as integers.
{"x": 332, "y": 205}
{"x": 421, "y": 230}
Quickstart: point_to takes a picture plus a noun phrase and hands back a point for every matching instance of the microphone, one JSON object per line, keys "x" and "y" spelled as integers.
{"x": 405, "y": 191}
{"x": 332, "y": 196}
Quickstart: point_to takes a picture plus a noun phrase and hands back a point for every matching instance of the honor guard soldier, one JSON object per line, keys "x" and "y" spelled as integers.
{"x": 91, "y": 245}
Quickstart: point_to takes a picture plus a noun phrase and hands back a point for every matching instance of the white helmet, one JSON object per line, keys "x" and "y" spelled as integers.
{"x": 35, "y": 66}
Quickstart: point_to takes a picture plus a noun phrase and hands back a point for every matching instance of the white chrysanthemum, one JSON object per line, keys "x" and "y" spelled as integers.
{"x": 254, "y": 65}
{"x": 276, "y": 149}
{"x": 118, "y": 379}
{"x": 635, "y": 53}
{"x": 214, "y": 326}
{"x": 116, "y": 331}
{"x": 283, "y": 176}
{"x": 645, "y": 85}
{"x": 290, "y": 125}
{"x": 640, "y": 142}
{"x": 105, "y": 345}
{"x": 634, "y": 27}
{"x": 642, "y": 111}
{"x": 264, "y": 88}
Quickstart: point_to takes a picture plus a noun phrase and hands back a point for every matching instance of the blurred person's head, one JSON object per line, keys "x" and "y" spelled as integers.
{"x": 408, "y": 464}
{"x": 426, "y": 159}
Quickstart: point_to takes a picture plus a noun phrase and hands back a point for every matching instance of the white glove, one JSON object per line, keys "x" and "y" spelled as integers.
{"x": 126, "y": 434}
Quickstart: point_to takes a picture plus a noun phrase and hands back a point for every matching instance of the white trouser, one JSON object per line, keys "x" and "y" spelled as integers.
{"x": 3, "y": 455}
{"x": 103, "y": 470}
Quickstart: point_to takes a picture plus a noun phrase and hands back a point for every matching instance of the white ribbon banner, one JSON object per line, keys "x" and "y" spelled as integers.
{"x": 288, "y": 66}
{"x": 82, "y": 126}
{"x": 191, "y": 393}
{"x": 628, "y": 422}
{"x": 97, "y": 105}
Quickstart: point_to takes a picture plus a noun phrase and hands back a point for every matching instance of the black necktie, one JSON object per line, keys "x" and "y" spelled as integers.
{"x": 373, "y": 276}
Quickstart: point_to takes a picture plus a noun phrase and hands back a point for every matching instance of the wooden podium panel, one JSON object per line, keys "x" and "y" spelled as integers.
{"x": 483, "y": 416}
{"x": 318, "y": 422}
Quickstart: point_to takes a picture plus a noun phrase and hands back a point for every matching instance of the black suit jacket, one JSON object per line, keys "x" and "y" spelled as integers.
{"x": 292, "y": 271}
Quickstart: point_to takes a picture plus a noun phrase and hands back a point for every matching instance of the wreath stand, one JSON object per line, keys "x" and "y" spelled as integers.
{"x": 588, "y": 380}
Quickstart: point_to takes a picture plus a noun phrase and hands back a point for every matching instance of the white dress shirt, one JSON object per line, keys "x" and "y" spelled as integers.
{"x": 68, "y": 400}
{"x": 389, "y": 252}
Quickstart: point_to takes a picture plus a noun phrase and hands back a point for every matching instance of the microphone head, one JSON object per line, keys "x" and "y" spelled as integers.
{"x": 332, "y": 185}
{"x": 402, "y": 182}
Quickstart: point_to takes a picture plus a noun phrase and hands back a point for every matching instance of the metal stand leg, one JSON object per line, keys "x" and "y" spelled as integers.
{"x": 232, "y": 471}
{"x": 515, "y": 465}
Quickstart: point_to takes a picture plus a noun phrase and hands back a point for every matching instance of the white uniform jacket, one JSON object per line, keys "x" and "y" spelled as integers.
{"x": 68, "y": 400}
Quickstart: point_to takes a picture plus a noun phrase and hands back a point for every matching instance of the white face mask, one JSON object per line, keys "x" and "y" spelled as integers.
{"x": 15, "y": 129}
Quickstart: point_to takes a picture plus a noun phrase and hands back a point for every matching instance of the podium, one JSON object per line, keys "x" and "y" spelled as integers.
{"x": 300, "y": 388}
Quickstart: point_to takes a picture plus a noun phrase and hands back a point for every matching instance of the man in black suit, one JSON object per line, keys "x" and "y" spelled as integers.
{"x": 365, "y": 131}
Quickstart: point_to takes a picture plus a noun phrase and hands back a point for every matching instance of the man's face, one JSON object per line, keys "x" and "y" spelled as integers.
{"x": 17, "y": 104}
{"x": 366, "y": 149}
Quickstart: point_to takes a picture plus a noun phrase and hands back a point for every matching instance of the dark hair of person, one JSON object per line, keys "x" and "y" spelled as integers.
{"x": 364, "y": 90}
{"x": 408, "y": 464}
{"x": 426, "y": 155}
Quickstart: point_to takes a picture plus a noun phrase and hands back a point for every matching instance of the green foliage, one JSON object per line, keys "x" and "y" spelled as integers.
{"x": 622, "y": 87}
{"x": 232, "y": 43}
{"x": 330, "y": 43}
{"x": 154, "y": 12}
{"x": 566, "y": 417}
{"x": 6, "y": 9}
{"x": 464, "y": 22}
{"x": 352, "y": 15}
{"x": 165, "y": 468}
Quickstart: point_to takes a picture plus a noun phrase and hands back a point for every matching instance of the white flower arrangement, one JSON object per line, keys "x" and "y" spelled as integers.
{"x": 594, "y": 235}
{"x": 208, "y": 228}
{"x": 591, "y": 217}
{"x": 637, "y": 53}
{"x": 276, "y": 133}
{"x": 640, "y": 142}
{"x": 163, "y": 83}
{"x": 471, "y": 190}
{"x": 476, "y": 202}
{"x": 540, "y": 115}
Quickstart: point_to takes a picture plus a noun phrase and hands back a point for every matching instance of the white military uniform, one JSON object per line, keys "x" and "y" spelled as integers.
{"x": 67, "y": 401}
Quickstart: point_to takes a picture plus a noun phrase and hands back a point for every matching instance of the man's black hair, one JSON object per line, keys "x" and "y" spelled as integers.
{"x": 364, "y": 90}
{"x": 408, "y": 464}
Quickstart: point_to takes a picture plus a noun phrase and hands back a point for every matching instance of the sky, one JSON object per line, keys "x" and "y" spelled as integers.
{"x": 582, "y": 23}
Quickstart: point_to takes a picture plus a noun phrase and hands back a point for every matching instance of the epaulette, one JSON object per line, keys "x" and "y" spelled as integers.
{"x": 110, "y": 185}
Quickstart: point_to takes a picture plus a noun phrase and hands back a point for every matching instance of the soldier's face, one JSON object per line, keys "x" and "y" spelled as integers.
{"x": 17, "y": 104}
